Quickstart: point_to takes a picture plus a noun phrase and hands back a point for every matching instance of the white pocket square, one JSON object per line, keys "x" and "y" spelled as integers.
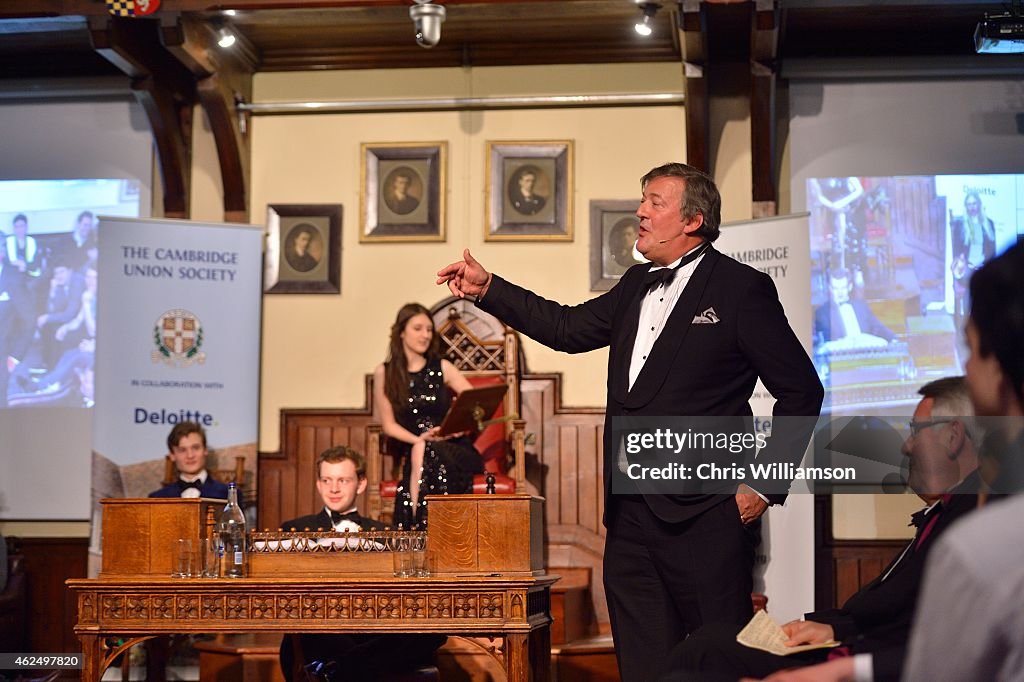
{"x": 709, "y": 316}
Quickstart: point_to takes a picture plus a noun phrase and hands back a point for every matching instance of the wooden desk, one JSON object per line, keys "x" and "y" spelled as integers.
{"x": 514, "y": 609}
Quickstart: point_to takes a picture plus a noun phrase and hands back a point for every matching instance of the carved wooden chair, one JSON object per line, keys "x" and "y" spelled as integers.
{"x": 487, "y": 352}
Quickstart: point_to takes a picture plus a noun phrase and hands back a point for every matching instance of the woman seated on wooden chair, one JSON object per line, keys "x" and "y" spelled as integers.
{"x": 412, "y": 389}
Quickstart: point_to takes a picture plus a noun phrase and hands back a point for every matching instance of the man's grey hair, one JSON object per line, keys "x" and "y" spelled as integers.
{"x": 951, "y": 399}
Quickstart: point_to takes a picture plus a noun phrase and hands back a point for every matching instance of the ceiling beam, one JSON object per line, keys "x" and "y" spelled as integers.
{"x": 91, "y": 8}
{"x": 224, "y": 78}
{"x": 165, "y": 90}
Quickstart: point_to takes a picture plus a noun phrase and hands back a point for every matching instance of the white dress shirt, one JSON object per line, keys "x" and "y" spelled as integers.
{"x": 655, "y": 310}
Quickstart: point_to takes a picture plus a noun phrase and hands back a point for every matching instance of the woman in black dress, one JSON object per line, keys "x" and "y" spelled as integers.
{"x": 413, "y": 388}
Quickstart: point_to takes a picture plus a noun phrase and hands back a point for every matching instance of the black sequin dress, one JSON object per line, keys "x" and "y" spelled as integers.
{"x": 448, "y": 465}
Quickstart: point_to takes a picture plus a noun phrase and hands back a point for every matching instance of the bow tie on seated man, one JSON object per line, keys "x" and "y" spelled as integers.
{"x": 350, "y": 520}
{"x": 191, "y": 488}
{"x": 340, "y": 480}
{"x": 186, "y": 447}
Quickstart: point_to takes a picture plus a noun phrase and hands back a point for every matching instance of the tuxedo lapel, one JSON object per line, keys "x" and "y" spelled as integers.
{"x": 655, "y": 371}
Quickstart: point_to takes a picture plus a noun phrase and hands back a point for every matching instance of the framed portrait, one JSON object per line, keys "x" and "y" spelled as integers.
{"x": 614, "y": 228}
{"x": 529, "y": 191}
{"x": 303, "y": 249}
{"x": 402, "y": 192}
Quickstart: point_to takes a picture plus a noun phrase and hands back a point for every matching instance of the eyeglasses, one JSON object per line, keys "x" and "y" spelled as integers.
{"x": 917, "y": 427}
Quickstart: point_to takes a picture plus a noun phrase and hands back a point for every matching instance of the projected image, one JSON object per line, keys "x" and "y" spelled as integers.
{"x": 891, "y": 259}
{"x": 48, "y": 286}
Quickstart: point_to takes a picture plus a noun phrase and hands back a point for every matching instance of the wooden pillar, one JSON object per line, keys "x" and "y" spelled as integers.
{"x": 764, "y": 36}
{"x": 693, "y": 45}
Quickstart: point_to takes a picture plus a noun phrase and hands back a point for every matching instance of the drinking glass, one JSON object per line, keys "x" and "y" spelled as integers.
{"x": 401, "y": 555}
{"x": 184, "y": 558}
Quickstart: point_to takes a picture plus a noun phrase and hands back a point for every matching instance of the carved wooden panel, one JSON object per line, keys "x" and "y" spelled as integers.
{"x": 125, "y": 607}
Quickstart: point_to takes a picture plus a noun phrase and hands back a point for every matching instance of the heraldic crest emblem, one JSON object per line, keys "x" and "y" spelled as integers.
{"x": 178, "y": 336}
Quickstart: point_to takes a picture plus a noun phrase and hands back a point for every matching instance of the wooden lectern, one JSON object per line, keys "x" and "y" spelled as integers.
{"x": 139, "y": 534}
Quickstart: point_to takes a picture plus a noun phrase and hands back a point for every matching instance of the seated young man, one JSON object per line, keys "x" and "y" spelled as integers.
{"x": 341, "y": 478}
{"x": 873, "y": 625}
{"x": 186, "y": 446}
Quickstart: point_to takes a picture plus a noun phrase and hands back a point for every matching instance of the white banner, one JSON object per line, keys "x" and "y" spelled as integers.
{"x": 780, "y": 247}
{"x": 178, "y": 339}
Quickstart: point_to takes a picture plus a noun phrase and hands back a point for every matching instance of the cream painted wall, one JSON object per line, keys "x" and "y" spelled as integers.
{"x": 317, "y": 348}
{"x": 875, "y": 517}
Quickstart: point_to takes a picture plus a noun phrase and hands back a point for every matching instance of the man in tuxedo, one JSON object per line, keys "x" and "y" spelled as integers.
{"x": 341, "y": 479}
{"x": 186, "y": 446}
{"x": 970, "y": 622}
{"x": 874, "y": 624}
{"x": 845, "y": 322}
{"x": 689, "y": 335}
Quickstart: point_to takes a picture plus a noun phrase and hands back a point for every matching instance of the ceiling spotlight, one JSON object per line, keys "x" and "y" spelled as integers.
{"x": 225, "y": 38}
{"x": 427, "y": 19}
{"x": 644, "y": 27}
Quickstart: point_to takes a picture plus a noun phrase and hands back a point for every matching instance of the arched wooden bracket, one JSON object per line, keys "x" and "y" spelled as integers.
{"x": 166, "y": 91}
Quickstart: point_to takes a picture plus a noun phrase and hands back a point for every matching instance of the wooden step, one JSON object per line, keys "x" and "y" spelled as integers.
{"x": 248, "y": 657}
{"x": 572, "y": 615}
{"x": 590, "y": 659}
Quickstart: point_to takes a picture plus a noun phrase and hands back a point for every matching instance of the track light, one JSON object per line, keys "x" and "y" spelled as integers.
{"x": 225, "y": 38}
{"x": 644, "y": 26}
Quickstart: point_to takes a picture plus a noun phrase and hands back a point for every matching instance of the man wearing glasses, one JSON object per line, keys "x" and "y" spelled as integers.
{"x": 873, "y": 626}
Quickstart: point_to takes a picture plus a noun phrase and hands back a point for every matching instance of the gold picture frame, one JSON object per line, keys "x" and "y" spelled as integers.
{"x": 402, "y": 191}
{"x": 529, "y": 191}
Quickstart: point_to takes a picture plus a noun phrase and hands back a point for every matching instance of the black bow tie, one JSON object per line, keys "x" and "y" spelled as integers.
{"x": 663, "y": 276}
{"x": 919, "y": 518}
{"x": 185, "y": 485}
{"x": 338, "y": 517}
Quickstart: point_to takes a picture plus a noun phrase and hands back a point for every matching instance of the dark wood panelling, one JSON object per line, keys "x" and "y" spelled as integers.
{"x": 844, "y": 566}
{"x": 287, "y": 478}
{"x": 51, "y": 611}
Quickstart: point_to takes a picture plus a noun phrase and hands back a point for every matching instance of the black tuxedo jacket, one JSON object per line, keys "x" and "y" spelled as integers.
{"x": 694, "y": 369}
{"x": 877, "y": 618}
{"x": 211, "y": 488}
{"x": 322, "y": 521}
